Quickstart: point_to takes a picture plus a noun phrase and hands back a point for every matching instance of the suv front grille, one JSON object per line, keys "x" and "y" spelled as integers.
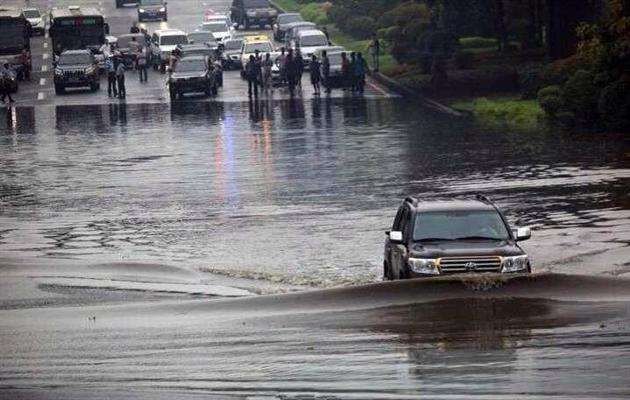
{"x": 453, "y": 265}
{"x": 73, "y": 74}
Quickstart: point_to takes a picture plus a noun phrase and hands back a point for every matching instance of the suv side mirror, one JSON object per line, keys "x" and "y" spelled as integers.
{"x": 523, "y": 234}
{"x": 396, "y": 237}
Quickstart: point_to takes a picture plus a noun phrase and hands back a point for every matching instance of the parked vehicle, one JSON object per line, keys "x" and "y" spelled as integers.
{"x": 35, "y": 18}
{"x": 76, "y": 28}
{"x": 309, "y": 41}
{"x": 450, "y": 237}
{"x": 294, "y": 28}
{"x": 219, "y": 28}
{"x": 76, "y": 68}
{"x": 128, "y": 50}
{"x": 282, "y": 22}
{"x": 163, "y": 42}
{"x": 152, "y": 10}
{"x": 260, "y": 43}
{"x": 15, "y": 37}
{"x": 121, "y": 3}
{"x": 192, "y": 74}
{"x": 253, "y": 12}
{"x": 231, "y": 54}
{"x": 203, "y": 38}
{"x": 335, "y": 77}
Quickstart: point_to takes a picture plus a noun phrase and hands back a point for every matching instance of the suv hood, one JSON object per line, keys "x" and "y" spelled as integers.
{"x": 464, "y": 248}
{"x": 152, "y": 7}
{"x": 186, "y": 75}
{"x": 74, "y": 67}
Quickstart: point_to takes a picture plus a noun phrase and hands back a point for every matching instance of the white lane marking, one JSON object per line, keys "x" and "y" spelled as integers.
{"x": 45, "y": 56}
{"x": 45, "y": 45}
{"x": 44, "y": 68}
{"x": 40, "y": 96}
{"x": 42, "y": 81}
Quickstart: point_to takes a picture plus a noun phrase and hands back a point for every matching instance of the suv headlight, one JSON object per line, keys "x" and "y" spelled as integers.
{"x": 514, "y": 264}
{"x": 427, "y": 266}
{"x": 90, "y": 70}
{"x": 58, "y": 71}
{"x": 141, "y": 10}
{"x": 163, "y": 9}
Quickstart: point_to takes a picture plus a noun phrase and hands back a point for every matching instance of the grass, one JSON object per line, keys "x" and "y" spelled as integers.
{"x": 504, "y": 111}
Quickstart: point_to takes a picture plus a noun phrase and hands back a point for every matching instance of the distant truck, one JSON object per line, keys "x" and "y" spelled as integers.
{"x": 15, "y": 37}
{"x": 76, "y": 28}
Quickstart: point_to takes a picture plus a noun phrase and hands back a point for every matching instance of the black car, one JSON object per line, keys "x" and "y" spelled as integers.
{"x": 76, "y": 68}
{"x": 283, "y": 20}
{"x": 153, "y": 10}
{"x": 253, "y": 12}
{"x": 212, "y": 55}
{"x": 194, "y": 74}
{"x": 452, "y": 237}
{"x": 231, "y": 54}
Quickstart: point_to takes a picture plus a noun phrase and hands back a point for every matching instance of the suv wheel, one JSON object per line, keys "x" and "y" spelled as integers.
{"x": 59, "y": 89}
{"x": 95, "y": 86}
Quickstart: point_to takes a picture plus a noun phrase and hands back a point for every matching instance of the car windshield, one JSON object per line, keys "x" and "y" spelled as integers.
{"x": 256, "y": 4}
{"x": 233, "y": 44}
{"x": 461, "y": 224}
{"x": 172, "y": 40}
{"x": 288, "y": 18}
{"x": 190, "y": 65}
{"x": 263, "y": 47}
{"x": 201, "y": 37}
{"x": 73, "y": 59}
{"x": 214, "y": 27}
{"x": 123, "y": 42}
{"x": 31, "y": 14}
{"x": 313, "y": 40}
{"x": 151, "y": 2}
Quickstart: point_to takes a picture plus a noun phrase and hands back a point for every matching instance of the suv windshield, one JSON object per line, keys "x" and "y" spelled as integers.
{"x": 190, "y": 65}
{"x": 313, "y": 40}
{"x": 453, "y": 225}
{"x": 173, "y": 40}
{"x": 214, "y": 27}
{"x": 263, "y": 47}
{"x": 73, "y": 59}
{"x": 288, "y": 18}
{"x": 233, "y": 44}
{"x": 31, "y": 14}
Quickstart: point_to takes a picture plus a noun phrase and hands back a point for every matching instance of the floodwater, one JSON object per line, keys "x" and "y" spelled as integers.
{"x": 134, "y": 241}
{"x": 297, "y": 192}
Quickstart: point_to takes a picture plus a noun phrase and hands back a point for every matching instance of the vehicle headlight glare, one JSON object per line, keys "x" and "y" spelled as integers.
{"x": 163, "y": 9}
{"x": 425, "y": 266}
{"x": 141, "y": 10}
{"x": 514, "y": 264}
{"x": 58, "y": 71}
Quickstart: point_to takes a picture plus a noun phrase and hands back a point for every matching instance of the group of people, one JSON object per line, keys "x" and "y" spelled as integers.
{"x": 6, "y": 77}
{"x": 115, "y": 67}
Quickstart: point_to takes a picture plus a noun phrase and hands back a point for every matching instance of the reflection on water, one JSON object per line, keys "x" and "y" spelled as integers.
{"x": 301, "y": 188}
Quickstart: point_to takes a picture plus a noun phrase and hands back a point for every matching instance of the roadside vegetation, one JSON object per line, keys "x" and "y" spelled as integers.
{"x": 570, "y": 58}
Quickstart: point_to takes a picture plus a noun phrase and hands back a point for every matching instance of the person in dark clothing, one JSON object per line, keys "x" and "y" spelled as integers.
{"x": 299, "y": 62}
{"x": 120, "y": 78}
{"x": 5, "y": 84}
{"x": 375, "y": 52}
{"x": 315, "y": 74}
{"x": 110, "y": 67}
{"x": 326, "y": 71}
{"x": 292, "y": 72}
{"x": 252, "y": 72}
{"x": 134, "y": 28}
{"x": 352, "y": 72}
{"x": 325, "y": 31}
{"x": 360, "y": 69}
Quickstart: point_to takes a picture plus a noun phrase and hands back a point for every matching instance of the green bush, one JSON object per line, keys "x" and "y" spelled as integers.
{"x": 579, "y": 96}
{"x": 314, "y": 12}
{"x": 549, "y": 100}
{"x": 529, "y": 82}
{"x": 477, "y": 42}
{"x": 361, "y": 27}
{"x": 614, "y": 106}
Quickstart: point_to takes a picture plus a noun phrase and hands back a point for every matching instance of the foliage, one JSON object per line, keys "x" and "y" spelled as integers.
{"x": 361, "y": 27}
{"x": 316, "y": 12}
{"x": 593, "y": 84}
{"x": 504, "y": 111}
{"x": 549, "y": 99}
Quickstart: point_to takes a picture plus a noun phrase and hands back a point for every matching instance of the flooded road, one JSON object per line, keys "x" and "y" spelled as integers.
{"x": 298, "y": 192}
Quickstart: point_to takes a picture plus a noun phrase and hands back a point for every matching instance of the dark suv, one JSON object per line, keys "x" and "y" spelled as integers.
{"x": 452, "y": 237}
{"x": 152, "y": 10}
{"x": 76, "y": 68}
{"x": 253, "y": 12}
{"x": 192, "y": 74}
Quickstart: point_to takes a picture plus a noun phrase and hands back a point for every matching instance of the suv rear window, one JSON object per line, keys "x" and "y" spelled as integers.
{"x": 453, "y": 225}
